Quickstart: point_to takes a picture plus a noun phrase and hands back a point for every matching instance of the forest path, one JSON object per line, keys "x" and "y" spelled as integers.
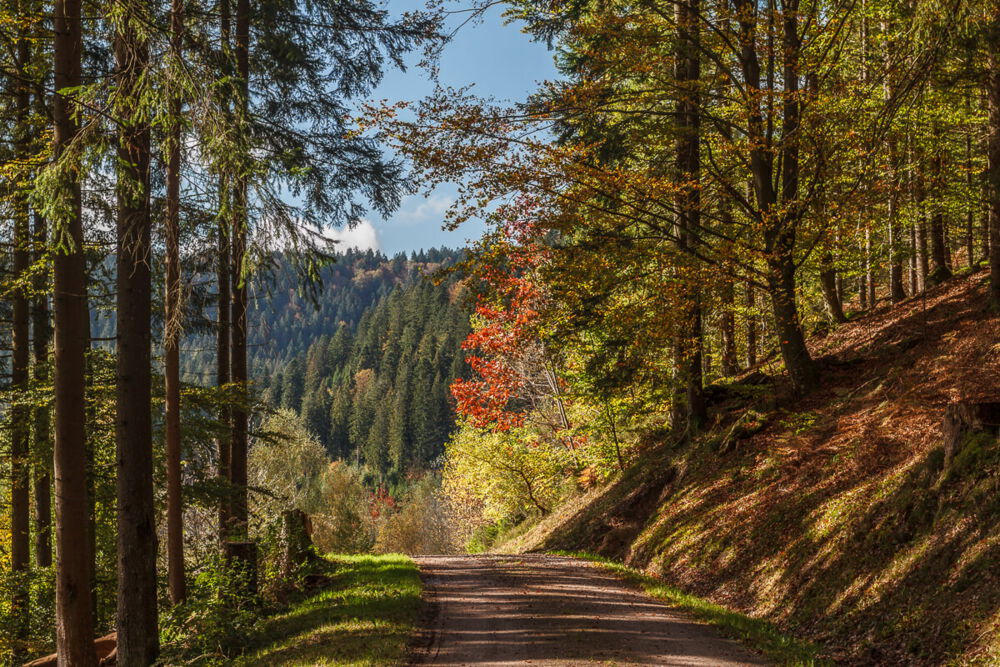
{"x": 550, "y": 610}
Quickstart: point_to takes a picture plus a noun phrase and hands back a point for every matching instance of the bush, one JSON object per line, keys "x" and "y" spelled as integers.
{"x": 493, "y": 477}
{"x": 423, "y": 525}
{"x": 344, "y": 522}
{"x": 217, "y": 619}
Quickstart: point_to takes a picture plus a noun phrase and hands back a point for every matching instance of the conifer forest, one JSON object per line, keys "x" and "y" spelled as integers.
{"x": 726, "y": 335}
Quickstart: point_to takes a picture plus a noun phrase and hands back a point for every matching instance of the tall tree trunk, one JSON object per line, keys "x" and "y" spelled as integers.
{"x": 993, "y": 155}
{"x": 20, "y": 434}
{"x": 74, "y": 619}
{"x": 780, "y": 246}
{"x": 779, "y": 222}
{"x": 42, "y": 334}
{"x": 137, "y": 620}
{"x": 223, "y": 332}
{"x": 238, "y": 346}
{"x": 172, "y": 328}
{"x": 896, "y": 291}
{"x": 939, "y": 244}
{"x": 688, "y": 161}
{"x": 869, "y": 267}
{"x": 973, "y": 204}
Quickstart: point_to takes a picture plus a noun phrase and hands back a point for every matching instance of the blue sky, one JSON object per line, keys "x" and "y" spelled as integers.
{"x": 501, "y": 62}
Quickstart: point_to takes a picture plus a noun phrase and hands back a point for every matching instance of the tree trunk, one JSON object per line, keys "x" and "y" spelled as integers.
{"x": 778, "y": 222}
{"x": 172, "y": 330}
{"x": 781, "y": 244}
{"x": 923, "y": 263}
{"x": 993, "y": 157}
{"x": 791, "y": 341}
{"x": 939, "y": 244}
{"x": 973, "y": 204}
{"x": 20, "y": 434}
{"x": 896, "y": 290}
{"x": 223, "y": 272}
{"x": 296, "y": 542}
{"x": 751, "y": 325}
{"x": 74, "y": 620}
{"x": 863, "y": 291}
{"x": 828, "y": 281}
{"x": 688, "y": 161}
{"x": 730, "y": 363}
{"x": 137, "y": 620}
{"x": 961, "y": 421}
{"x": 238, "y": 349}
{"x": 869, "y": 268}
{"x": 42, "y": 334}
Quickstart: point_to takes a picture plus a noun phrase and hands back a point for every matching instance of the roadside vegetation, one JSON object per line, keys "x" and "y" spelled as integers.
{"x": 364, "y": 618}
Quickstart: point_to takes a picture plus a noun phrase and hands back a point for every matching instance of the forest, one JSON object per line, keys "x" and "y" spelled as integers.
{"x": 732, "y": 324}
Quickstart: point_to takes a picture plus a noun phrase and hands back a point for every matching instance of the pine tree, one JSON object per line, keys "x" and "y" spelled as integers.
{"x": 138, "y": 637}
{"x": 74, "y": 620}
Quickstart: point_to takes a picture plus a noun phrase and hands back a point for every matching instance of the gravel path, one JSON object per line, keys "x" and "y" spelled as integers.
{"x": 548, "y": 610}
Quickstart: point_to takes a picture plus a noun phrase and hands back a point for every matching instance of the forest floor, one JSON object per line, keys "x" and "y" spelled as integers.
{"x": 837, "y": 517}
{"x": 552, "y": 610}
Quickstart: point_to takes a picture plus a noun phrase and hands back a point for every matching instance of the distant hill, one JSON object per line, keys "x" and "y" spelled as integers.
{"x": 367, "y": 360}
{"x": 283, "y": 320}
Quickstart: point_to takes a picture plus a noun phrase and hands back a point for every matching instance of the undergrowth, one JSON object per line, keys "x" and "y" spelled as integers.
{"x": 364, "y": 616}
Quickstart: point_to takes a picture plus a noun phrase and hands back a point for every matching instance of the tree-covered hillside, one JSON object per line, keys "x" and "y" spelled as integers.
{"x": 286, "y": 319}
{"x": 366, "y": 359}
{"x": 375, "y": 392}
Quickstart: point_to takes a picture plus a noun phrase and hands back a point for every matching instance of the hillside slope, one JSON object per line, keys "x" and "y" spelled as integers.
{"x": 833, "y": 516}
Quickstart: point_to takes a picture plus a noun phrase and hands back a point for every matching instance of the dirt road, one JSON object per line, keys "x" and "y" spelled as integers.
{"x": 547, "y": 610}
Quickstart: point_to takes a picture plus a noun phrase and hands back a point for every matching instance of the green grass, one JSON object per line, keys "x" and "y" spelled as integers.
{"x": 365, "y": 618}
{"x": 756, "y": 633}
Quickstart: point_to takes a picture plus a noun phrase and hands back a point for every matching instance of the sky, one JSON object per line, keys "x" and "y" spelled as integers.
{"x": 501, "y": 62}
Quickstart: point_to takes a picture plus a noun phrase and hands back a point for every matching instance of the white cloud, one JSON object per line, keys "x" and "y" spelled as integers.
{"x": 362, "y": 236}
{"x": 417, "y": 208}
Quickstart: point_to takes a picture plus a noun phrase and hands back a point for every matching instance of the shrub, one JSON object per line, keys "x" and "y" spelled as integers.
{"x": 423, "y": 525}
{"x": 217, "y": 619}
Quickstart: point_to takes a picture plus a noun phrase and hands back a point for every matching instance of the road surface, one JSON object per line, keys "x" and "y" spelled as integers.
{"x": 547, "y": 611}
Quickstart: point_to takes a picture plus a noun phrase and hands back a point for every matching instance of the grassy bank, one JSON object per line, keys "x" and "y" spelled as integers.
{"x": 754, "y": 632}
{"x": 364, "y": 618}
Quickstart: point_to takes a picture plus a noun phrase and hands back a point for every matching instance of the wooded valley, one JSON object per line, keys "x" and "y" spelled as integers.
{"x": 733, "y": 320}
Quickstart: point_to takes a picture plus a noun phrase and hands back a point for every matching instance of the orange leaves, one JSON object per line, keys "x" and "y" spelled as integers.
{"x": 504, "y": 330}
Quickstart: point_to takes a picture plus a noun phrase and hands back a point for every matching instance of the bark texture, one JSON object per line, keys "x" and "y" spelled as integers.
{"x": 137, "y": 620}
{"x": 74, "y": 619}
{"x": 688, "y": 162}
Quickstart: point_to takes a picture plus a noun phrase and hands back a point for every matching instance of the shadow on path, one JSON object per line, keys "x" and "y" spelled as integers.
{"x": 548, "y": 610}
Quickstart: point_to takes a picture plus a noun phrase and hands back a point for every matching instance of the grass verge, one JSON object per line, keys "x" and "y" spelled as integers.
{"x": 365, "y": 618}
{"x": 759, "y": 634}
